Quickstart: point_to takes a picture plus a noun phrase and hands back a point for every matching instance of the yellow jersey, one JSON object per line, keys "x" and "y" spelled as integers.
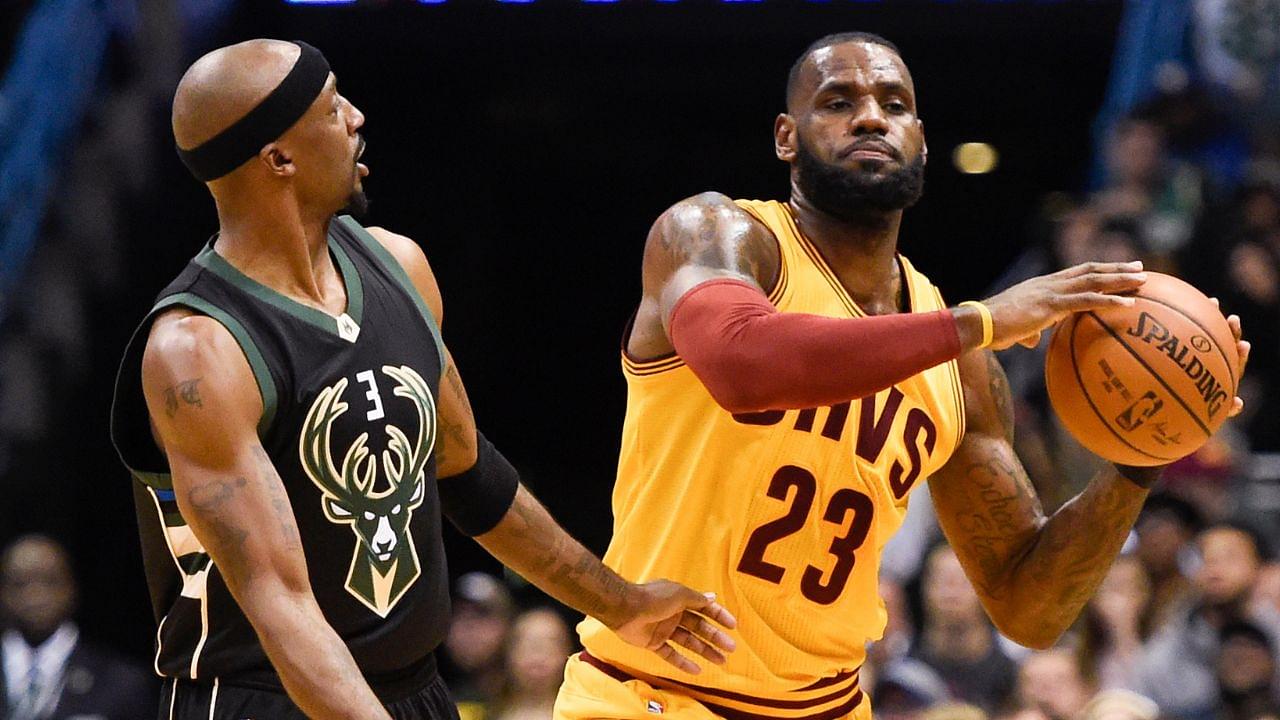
{"x": 783, "y": 514}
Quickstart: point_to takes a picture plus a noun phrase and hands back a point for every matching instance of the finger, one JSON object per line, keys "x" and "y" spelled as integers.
{"x": 697, "y": 624}
{"x": 1106, "y": 282}
{"x": 1243, "y": 349}
{"x": 1237, "y": 407}
{"x": 1031, "y": 342}
{"x": 1079, "y": 302}
{"x": 1215, "y": 302}
{"x": 705, "y": 604}
{"x": 687, "y": 640}
{"x": 1233, "y": 322}
{"x": 668, "y": 653}
{"x": 1100, "y": 267}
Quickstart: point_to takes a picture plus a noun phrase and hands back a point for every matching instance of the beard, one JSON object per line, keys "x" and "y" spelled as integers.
{"x": 357, "y": 204}
{"x": 859, "y": 197}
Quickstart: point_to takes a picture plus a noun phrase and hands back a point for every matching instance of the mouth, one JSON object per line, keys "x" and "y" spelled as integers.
{"x": 361, "y": 168}
{"x": 875, "y": 151}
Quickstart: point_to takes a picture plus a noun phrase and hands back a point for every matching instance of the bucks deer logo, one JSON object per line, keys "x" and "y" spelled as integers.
{"x": 385, "y": 562}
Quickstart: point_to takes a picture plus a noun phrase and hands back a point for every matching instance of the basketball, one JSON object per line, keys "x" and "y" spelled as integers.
{"x": 1147, "y": 384}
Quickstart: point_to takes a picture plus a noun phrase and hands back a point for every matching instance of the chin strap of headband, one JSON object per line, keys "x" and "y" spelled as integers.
{"x": 266, "y": 122}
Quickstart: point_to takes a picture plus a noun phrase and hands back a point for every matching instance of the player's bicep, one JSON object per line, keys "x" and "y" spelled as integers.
{"x": 984, "y": 500}
{"x": 703, "y": 238}
{"x": 456, "y": 438}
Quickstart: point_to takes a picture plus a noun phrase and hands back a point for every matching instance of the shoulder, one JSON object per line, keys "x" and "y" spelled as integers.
{"x": 414, "y": 261}
{"x": 711, "y": 231}
{"x": 193, "y": 358}
{"x": 706, "y": 215}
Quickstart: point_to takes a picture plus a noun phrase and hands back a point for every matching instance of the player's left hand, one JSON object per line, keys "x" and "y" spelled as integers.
{"x": 662, "y": 615}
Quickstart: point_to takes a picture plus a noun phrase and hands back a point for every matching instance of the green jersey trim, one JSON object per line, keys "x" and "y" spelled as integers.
{"x": 397, "y": 272}
{"x": 218, "y": 265}
{"x": 257, "y": 363}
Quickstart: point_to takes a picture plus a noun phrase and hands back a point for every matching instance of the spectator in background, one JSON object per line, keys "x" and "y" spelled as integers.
{"x": 536, "y": 653}
{"x": 1246, "y": 671}
{"x": 1116, "y": 623}
{"x": 898, "y": 634}
{"x": 1177, "y": 668}
{"x": 46, "y": 669}
{"x": 1162, "y": 198}
{"x": 956, "y": 640}
{"x": 482, "y": 612}
{"x": 1120, "y": 705}
{"x": 1052, "y": 683}
{"x": 1165, "y": 529}
{"x": 1266, "y": 590}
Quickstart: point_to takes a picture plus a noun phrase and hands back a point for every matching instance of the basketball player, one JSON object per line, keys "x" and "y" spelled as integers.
{"x": 287, "y": 408}
{"x": 791, "y": 378}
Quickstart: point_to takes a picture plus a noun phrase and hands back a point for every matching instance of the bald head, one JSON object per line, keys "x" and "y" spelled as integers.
{"x": 224, "y": 85}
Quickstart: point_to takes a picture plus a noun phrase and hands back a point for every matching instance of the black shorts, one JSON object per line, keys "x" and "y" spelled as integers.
{"x": 184, "y": 700}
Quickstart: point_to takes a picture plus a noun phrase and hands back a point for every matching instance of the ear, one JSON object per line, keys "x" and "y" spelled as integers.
{"x": 418, "y": 492}
{"x": 784, "y": 137}
{"x": 336, "y": 510}
{"x": 277, "y": 159}
{"x": 924, "y": 144}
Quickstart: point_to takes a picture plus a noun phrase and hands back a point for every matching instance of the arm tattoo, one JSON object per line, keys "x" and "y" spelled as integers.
{"x": 558, "y": 563}
{"x": 1001, "y": 395}
{"x": 279, "y": 500}
{"x": 210, "y": 501}
{"x": 453, "y": 430}
{"x": 184, "y": 393}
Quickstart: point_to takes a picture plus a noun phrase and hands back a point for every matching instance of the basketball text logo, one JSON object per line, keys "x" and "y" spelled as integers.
{"x": 385, "y": 562}
{"x": 1152, "y": 332}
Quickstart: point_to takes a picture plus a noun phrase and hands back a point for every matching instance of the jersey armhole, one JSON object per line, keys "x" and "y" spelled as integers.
{"x": 130, "y": 430}
{"x": 397, "y": 272}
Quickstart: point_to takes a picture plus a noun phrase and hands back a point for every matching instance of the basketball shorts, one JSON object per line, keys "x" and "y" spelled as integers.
{"x": 590, "y": 694}
{"x": 183, "y": 700}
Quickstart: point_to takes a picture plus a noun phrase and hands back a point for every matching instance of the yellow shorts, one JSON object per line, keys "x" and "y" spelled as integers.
{"x": 589, "y": 694}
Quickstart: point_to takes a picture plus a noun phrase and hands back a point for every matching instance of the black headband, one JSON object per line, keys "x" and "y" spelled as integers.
{"x": 232, "y": 147}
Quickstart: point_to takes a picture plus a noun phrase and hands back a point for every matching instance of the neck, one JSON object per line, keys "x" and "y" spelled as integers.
{"x": 281, "y": 247}
{"x": 863, "y": 254}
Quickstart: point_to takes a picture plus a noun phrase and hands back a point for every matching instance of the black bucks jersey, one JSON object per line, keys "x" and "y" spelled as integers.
{"x": 349, "y": 421}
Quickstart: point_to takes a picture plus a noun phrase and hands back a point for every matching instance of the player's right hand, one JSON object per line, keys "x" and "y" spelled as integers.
{"x": 662, "y": 615}
{"x": 1022, "y": 312}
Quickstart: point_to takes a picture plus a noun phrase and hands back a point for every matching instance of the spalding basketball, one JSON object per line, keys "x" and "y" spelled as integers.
{"x": 1147, "y": 384}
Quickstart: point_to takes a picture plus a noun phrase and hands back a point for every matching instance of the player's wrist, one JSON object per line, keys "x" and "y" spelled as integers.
{"x": 1144, "y": 477}
{"x": 969, "y": 326}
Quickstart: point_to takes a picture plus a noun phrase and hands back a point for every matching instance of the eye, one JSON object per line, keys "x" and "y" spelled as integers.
{"x": 839, "y": 105}
{"x": 368, "y": 515}
{"x": 395, "y": 510}
{"x": 896, "y": 106}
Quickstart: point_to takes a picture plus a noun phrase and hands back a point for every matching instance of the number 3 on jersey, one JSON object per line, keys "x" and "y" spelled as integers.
{"x": 844, "y": 501}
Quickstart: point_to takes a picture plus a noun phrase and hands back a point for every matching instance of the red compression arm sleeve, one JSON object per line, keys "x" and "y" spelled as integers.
{"x": 752, "y": 357}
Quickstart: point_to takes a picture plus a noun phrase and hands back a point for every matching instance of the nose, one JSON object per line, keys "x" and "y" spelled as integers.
{"x": 355, "y": 118}
{"x": 870, "y": 118}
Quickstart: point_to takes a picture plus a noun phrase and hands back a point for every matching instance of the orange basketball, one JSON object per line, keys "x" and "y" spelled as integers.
{"x": 1148, "y": 384}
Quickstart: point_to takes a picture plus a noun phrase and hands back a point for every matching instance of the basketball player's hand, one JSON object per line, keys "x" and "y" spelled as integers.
{"x": 1022, "y": 312}
{"x": 663, "y": 615}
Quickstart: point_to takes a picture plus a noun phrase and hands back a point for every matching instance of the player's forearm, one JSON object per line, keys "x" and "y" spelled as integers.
{"x": 751, "y": 357}
{"x": 1062, "y": 565}
{"x": 529, "y": 541}
{"x": 314, "y": 665}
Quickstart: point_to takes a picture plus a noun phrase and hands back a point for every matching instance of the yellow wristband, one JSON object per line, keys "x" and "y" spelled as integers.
{"x": 988, "y": 327}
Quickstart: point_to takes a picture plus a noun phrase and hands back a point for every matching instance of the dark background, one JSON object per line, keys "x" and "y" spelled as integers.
{"x": 528, "y": 148}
